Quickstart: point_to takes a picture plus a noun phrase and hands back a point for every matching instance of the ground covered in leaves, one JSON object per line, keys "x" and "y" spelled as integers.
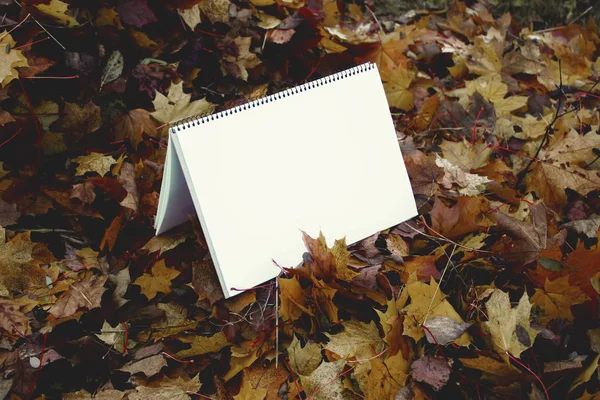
{"x": 491, "y": 292}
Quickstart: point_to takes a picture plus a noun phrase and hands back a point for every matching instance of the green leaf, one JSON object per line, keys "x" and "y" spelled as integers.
{"x": 551, "y": 264}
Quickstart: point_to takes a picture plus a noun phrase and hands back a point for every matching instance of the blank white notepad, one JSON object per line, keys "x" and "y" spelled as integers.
{"x": 322, "y": 156}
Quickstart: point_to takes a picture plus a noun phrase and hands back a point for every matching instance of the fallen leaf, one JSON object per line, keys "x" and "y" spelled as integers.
{"x": 491, "y": 366}
{"x": 444, "y": 330}
{"x": 509, "y": 327}
{"x": 238, "y": 64}
{"x": 94, "y": 162}
{"x": 135, "y": 12}
{"x": 206, "y": 282}
{"x": 80, "y": 120}
{"x": 12, "y": 319}
{"x": 111, "y": 233}
{"x": 148, "y": 366}
{"x": 177, "y": 106}
{"x": 167, "y": 389}
{"x": 423, "y": 173}
{"x": 423, "y": 305}
{"x": 468, "y": 214}
{"x": 112, "y": 69}
{"x": 5, "y": 116}
{"x": 165, "y": 242}
{"x": 204, "y": 344}
{"x": 358, "y": 340}
{"x": 322, "y": 384}
{"x": 216, "y": 10}
{"x": 191, "y": 16}
{"x": 556, "y": 299}
{"x": 127, "y": 180}
{"x": 58, "y": 10}
{"x": 530, "y": 237}
{"x": 85, "y": 294}
{"x": 396, "y": 84}
{"x": 304, "y": 360}
{"x": 269, "y": 378}
{"x": 588, "y": 227}
{"x": 8, "y": 213}
{"x": 329, "y": 262}
{"x": 159, "y": 280}
{"x": 293, "y": 301}
{"x": 20, "y": 261}
{"x": 84, "y": 192}
{"x": 247, "y": 392}
{"x": 114, "y": 336}
{"x": 11, "y": 60}
{"x": 433, "y": 370}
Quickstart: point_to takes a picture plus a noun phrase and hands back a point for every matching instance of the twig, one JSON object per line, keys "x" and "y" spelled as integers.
{"x": 546, "y": 133}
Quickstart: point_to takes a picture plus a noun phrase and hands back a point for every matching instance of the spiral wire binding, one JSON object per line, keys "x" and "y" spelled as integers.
{"x": 197, "y": 120}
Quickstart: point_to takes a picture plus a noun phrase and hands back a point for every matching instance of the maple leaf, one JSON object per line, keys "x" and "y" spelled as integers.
{"x": 159, "y": 280}
{"x": 396, "y": 84}
{"x": 358, "y": 340}
{"x": 531, "y": 238}
{"x": 444, "y": 330}
{"x": 165, "y": 242}
{"x": 168, "y": 389}
{"x": 12, "y": 319}
{"x": 127, "y": 179}
{"x": 389, "y": 53}
{"x": 11, "y": 60}
{"x": 386, "y": 378}
{"x": 174, "y": 320}
{"x": 177, "y": 106}
{"x": 85, "y": 294}
{"x": 58, "y": 10}
{"x": 509, "y": 327}
{"x": 149, "y": 366}
{"x": 558, "y": 169}
{"x": 293, "y": 301}
{"x": 580, "y": 266}
{"x": 20, "y": 260}
{"x": 248, "y": 392}
{"x": 423, "y": 173}
{"x": 467, "y": 215}
{"x": 94, "y": 162}
{"x": 304, "y": 360}
{"x": 206, "y": 282}
{"x": 84, "y": 192}
{"x": 268, "y": 378}
{"x": 556, "y": 299}
{"x": 491, "y": 366}
{"x": 108, "y": 17}
{"x": 114, "y": 336}
{"x": 423, "y": 305}
{"x": 80, "y": 120}
{"x": 135, "y": 12}
{"x": 322, "y": 384}
{"x": 238, "y": 64}
{"x": 329, "y": 262}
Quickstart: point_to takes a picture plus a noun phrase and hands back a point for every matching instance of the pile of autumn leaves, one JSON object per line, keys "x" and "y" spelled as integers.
{"x": 461, "y": 301}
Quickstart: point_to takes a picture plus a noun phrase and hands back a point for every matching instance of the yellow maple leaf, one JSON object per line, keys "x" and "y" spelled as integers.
{"x": 304, "y": 360}
{"x": 13, "y": 59}
{"x": 176, "y": 105}
{"x": 93, "y": 162}
{"x": 427, "y": 301}
{"x": 556, "y": 299}
{"x": 322, "y": 384}
{"x": 509, "y": 327}
{"x": 204, "y": 344}
{"x": 159, "y": 280}
{"x": 247, "y": 392}
{"x": 396, "y": 84}
{"x": 358, "y": 340}
{"x": 58, "y": 10}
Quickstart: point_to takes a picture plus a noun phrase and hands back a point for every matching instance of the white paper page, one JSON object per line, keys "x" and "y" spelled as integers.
{"x": 175, "y": 202}
{"x": 324, "y": 159}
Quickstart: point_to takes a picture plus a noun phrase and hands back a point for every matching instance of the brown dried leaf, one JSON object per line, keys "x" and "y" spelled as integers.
{"x": 159, "y": 280}
{"x": 433, "y": 370}
{"x": 86, "y": 294}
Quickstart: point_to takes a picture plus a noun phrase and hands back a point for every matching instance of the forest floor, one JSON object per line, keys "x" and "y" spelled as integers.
{"x": 491, "y": 292}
